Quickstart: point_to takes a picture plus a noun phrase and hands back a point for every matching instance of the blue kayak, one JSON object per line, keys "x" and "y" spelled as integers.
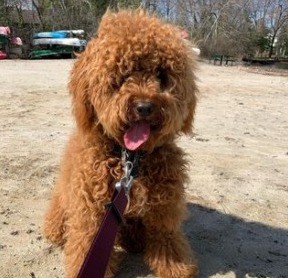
{"x": 61, "y": 34}
{"x": 52, "y": 35}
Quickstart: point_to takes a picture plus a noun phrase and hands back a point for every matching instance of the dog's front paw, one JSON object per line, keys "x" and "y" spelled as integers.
{"x": 171, "y": 257}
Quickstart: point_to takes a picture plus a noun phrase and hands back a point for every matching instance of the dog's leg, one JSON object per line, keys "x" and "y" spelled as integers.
{"x": 76, "y": 247}
{"x": 54, "y": 220}
{"x": 114, "y": 261}
{"x": 167, "y": 251}
{"x": 54, "y": 227}
{"x": 132, "y": 235}
{"x": 80, "y": 235}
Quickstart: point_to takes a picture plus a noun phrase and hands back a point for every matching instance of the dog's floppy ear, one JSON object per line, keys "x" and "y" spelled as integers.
{"x": 188, "y": 122}
{"x": 78, "y": 86}
{"x": 191, "y": 91}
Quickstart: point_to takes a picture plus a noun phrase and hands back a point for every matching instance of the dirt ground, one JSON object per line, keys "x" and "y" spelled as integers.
{"x": 238, "y": 194}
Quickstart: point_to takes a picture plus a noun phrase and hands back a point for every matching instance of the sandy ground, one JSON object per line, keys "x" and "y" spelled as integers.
{"x": 238, "y": 195}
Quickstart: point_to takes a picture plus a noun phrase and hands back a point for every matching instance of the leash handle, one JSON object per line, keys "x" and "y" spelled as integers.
{"x": 97, "y": 258}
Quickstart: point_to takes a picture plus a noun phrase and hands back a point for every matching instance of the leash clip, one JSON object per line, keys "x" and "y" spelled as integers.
{"x": 130, "y": 168}
{"x": 127, "y": 180}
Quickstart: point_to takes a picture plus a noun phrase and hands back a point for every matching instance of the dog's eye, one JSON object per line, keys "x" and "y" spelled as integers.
{"x": 163, "y": 78}
{"x": 124, "y": 79}
{"x": 118, "y": 82}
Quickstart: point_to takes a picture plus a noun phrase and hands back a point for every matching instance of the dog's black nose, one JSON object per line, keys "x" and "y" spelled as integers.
{"x": 144, "y": 108}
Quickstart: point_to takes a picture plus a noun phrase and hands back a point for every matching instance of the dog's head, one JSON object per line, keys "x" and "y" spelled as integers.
{"x": 135, "y": 81}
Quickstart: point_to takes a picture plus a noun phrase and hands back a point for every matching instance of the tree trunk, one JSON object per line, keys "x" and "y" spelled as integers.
{"x": 272, "y": 46}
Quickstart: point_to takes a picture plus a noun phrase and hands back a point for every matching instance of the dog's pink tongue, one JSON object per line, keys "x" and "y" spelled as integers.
{"x": 136, "y": 136}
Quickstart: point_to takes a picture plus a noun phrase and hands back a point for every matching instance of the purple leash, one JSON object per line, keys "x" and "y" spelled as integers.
{"x": 97, "y": 258}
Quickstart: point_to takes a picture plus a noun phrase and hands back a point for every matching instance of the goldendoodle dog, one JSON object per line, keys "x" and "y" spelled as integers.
{"x": 133, "y": 89}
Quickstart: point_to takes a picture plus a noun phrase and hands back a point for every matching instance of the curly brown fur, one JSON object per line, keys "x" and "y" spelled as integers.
{"x": 134, "y": 60}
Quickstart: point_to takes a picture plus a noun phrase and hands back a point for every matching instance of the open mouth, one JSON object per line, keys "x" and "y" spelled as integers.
{"x": 137, "y": 134}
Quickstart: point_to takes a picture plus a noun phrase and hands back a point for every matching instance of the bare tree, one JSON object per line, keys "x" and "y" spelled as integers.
{"x": 277, "y": 17}
{"x": 232, "y": 27}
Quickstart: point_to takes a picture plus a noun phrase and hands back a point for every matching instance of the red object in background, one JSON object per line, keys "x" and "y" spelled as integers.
{"x": 3, "y": 55}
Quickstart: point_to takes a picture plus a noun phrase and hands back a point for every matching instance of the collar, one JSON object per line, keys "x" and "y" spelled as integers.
{"x": 132, "y": 156}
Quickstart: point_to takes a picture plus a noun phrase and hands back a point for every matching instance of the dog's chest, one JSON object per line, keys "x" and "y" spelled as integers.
{"x": 138, "y": 200}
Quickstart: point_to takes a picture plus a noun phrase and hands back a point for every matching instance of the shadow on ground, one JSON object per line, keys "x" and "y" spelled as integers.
{"x": 227, "y": 244}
